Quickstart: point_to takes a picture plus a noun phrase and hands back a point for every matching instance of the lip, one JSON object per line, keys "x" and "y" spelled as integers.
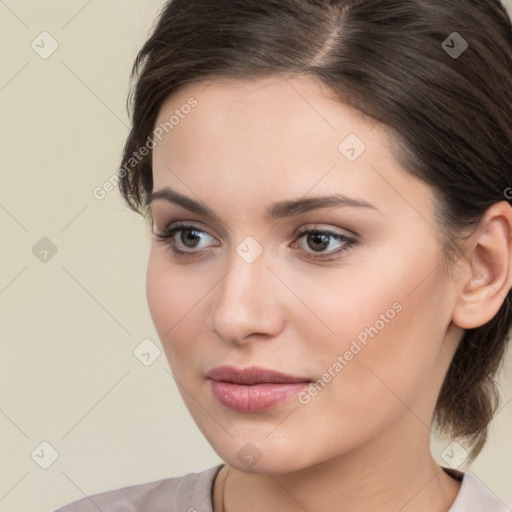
{"x": 253, "y": 389}
{"x": 251, "y": 375}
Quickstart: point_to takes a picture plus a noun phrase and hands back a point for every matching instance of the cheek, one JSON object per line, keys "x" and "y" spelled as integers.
{"x": 174, "y": 301}
{"x": 382, "y": 332}
{"x": 161, "y": 294}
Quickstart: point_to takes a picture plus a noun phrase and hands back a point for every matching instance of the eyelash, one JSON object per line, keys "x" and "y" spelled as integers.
{"x": 168, "y": 235}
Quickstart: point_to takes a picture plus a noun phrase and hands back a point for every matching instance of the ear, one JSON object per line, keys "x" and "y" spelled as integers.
{"x": 487, "y": 269}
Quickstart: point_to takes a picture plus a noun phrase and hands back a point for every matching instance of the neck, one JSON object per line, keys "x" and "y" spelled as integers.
{"x": 373, "y": 477}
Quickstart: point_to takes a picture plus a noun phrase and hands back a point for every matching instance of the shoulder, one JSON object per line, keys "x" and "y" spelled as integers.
{"x": 474, "y": 496}
{"x": 188, "y": 493}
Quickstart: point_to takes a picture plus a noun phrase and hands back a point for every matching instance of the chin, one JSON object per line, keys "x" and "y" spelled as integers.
{"x": 263, "y": 456}
{"x": 274, "y": 465}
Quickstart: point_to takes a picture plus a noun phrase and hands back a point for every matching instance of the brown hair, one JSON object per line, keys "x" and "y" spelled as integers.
{"x": 451, "y": 115}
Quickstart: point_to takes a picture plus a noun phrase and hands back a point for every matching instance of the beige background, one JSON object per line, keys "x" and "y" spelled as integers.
{"x": 69, "y": 325}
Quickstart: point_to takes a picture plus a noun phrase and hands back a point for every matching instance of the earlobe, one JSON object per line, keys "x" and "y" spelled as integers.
{"x": 489, "y": 269}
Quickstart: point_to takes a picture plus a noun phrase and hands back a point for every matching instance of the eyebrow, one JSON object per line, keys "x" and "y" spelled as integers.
{"x": 277, "y": 210}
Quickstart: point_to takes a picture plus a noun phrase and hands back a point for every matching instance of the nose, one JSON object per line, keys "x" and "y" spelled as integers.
{"x": 248, "y": 302}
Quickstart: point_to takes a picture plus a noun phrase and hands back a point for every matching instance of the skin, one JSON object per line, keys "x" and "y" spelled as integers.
{"x": 362, "y": 443}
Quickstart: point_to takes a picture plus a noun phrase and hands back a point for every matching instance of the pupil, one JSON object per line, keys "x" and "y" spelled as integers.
{"x": 321, "y": 239}
{"x": 190, "y": 237}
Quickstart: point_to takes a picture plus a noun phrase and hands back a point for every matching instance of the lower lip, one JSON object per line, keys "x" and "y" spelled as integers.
{"x": 254, "y": 397}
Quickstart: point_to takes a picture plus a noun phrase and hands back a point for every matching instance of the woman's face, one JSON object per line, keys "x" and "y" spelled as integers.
{"x": 347, "y": 295}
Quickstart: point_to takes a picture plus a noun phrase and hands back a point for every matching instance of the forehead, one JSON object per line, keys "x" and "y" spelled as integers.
{"x": 288, "y": 132}
{"x": 268, "y": 108}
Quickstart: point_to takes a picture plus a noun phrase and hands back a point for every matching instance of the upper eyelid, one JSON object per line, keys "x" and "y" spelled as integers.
{"x": 315, "y": 226}
{"x": 176, "y": 226}
{"x": 185, "y": 225}
{"x": 223, "y": 229}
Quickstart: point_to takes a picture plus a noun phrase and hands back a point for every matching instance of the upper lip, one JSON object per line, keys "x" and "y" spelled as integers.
{"x": 251, "y": 375}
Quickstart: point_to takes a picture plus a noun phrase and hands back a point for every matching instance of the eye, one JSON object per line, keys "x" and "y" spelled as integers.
{"x": 322, "y": 244}
{"x": 190, "y": 241}
{"x": 185, "y": 239}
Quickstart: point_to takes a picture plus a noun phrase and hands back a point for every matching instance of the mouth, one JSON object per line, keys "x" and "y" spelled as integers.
{"x": 253, "y": 389}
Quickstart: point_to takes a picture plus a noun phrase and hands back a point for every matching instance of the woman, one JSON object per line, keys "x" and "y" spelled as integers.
{"x": 330, "y": 266}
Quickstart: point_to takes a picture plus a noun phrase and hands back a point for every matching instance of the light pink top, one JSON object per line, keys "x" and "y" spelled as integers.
{"x": 193, "y": 493}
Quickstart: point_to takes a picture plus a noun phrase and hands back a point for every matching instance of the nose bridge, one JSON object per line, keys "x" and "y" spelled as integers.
{"x": 244, "y": 302}
{"x": 246, "y": 278}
